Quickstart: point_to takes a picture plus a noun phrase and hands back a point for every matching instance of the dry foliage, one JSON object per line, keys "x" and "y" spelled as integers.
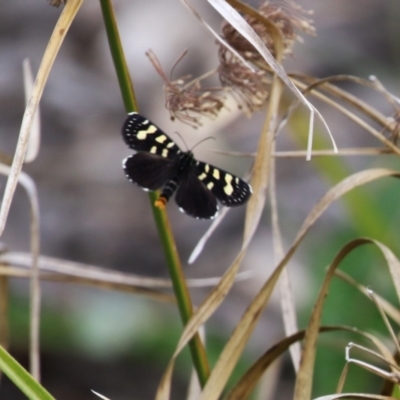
{"x": 248, "y": 76}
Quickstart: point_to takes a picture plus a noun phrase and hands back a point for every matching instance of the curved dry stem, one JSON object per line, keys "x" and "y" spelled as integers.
{"x": 285, "y": 290}
{"x": 18, "y": 272}
{"x": 29, "y": 185}
{"x": 57, "y": 37}
{"x": 250, "y": 379}
{"x": 91, "y": 272}
{"x": 386, "y": 123}
{"x": 388, "y": 308}
{"x": 34, "y": 135}
{"x": 244, "y": 328}
{"x": 361, "y": 396}
{"x": 326, "y": 86}
{"x": 304, "y": 382}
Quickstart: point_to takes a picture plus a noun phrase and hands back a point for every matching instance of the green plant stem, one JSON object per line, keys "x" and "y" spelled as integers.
{"x": 164, "y": 229}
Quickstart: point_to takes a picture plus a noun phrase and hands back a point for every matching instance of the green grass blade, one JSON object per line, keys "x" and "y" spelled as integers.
{"x": 22, "y": 378}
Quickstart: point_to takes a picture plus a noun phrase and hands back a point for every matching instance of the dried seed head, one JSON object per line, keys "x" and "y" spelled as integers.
{"x": 185, "y": 97}
{"x": 287, "y": 16}
{"x": 251, "y": 88}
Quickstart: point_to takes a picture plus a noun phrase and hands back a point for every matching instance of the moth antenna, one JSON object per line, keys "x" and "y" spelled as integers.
{"x": 183, "y": 140}
{"x": 201, "y": 141}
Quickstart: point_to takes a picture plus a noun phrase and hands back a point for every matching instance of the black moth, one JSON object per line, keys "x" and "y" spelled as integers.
{"x": 160, "y": 164}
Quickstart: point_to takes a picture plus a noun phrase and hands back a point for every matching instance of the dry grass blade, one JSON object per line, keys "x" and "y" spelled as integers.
{"x": 4, "y": 320}
{"x": 344, "y": 110}
{"x": 261, "y": 173}
{"x": 347, "y": 184}
{"x": 394, "y": 376}
{"x": 385, "y": 319}
{"x": 355, "y": 396}
{"x": 17, "y": 272}
{"x": 215, "y": 34}
{"x": 250, "y": 379}
{"x": 375, "y": 115}
{"x": 4, "y": 333}
{"x": 303, "y": 382}
{"x": 86, "y": 271}
{"x": 388, "y": 308}
{"x": 373, "y": 151}
{"x": 285, "y": 290}
{"x": 164, "y": 388}
{"x": 202, "y": 242}
{"x": 58, "y": 35}
{"x": 34, "y": 134}
{"x": 253, "y": 214}
{"x": 233, "y": 349}
{"x": 100, "y": 395}
{"x": 204, "y": 239}
{"x": 29, "y": 185}
{"x": 242, "y": 26}
{"x": 393, "y": 264}
{"x": 194, "y": 387}
{"x": 241, "y": 334}
{"x": 384, "y": 354}
{"x": 198, "y": 318}
{"x": 366, "y": 151}
{"x": 35, "y": 292}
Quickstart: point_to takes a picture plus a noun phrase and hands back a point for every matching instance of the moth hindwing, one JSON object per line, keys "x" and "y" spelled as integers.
{"x": 160, "y": 164}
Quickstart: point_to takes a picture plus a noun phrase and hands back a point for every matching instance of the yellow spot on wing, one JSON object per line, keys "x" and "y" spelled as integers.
{"x": 202, "y": 176}
{"x": 161, "y": 139}
{"x": 216, "y": 174}
{"x": 206, "y": 168}
{"x": 228, "y": 188}
{"x": 164, "y": 153}
{"x": 210, "y": 185}
{"x": 141, "y": 135}
{"x": 153, "y": 150}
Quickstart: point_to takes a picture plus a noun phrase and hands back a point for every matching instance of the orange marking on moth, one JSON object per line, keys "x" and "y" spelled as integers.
{"x": 161, "y": 202}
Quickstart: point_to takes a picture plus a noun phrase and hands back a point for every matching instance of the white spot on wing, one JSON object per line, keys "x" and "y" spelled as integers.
{"x": 216, "y": 174}
{"x": 153, "y": 150}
